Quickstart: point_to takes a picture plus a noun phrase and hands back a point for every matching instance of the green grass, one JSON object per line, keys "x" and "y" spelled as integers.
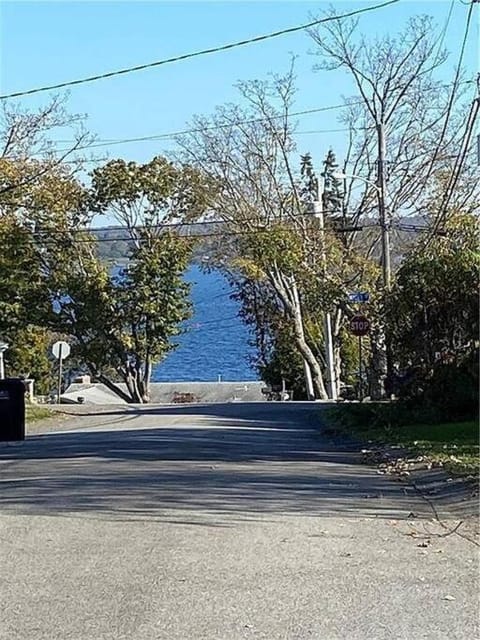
{"x": 455, "y": 444}
{"x": 37, "y": 412}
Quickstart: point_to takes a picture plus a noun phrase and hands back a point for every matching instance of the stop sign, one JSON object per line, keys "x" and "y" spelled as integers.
{"x": 359, "y": 325}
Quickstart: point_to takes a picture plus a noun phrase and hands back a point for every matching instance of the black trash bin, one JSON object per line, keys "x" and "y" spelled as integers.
{"x": 12, "y": 409}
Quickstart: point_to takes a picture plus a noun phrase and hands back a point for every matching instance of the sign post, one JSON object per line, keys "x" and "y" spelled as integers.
{"x": 359, "y": 326}
{"x": 60, "y": 350}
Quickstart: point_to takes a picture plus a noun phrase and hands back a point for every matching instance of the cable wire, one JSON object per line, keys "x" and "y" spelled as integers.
{"x": 175, "y": 134}
{"x": 203, "y": 52}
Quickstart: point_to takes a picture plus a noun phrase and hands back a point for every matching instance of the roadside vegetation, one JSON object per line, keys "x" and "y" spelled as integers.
{"x": 295, "y": 234}
{"x": 452, "y": 445}
{"x": 35, "y": 412}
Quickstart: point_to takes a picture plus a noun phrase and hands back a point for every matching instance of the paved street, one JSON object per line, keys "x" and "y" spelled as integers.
{"x": 220, "y": 522}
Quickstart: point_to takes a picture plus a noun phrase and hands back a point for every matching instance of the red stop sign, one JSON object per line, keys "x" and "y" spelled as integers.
{"x": 359, "y": 325}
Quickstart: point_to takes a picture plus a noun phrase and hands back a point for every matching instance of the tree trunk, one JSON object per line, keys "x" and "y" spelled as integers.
{"x": 337, "y": 348}
{"x": 145, "y": 382}
{"x": 307, "y": 353}
{"x": 131, "y": 380}
{"x": 287, "y": 291}
{"x": 112, "y": 386}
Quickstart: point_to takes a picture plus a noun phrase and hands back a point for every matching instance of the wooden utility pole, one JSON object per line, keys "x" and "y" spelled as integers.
{"x": 385, "y": 230}
{"x": 382, "y": 208}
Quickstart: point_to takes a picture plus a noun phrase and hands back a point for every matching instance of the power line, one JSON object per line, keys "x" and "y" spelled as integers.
{"x": 174, "y": 134}
{"x": 221, "y": 234}
{"x": 195, "y": 54}
{"x": 39, "y": 237}
{"x": 469, "y": 129}
{"x": 45, "y": 237}
{"x": 455, "y": 85}
{"x": 158, "y": 136}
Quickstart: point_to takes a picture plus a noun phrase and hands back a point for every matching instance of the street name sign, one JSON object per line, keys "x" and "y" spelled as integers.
{"x": 359, "y": 296}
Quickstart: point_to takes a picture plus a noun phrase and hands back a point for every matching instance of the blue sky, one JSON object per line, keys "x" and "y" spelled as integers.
{"x": 49, "y": 42}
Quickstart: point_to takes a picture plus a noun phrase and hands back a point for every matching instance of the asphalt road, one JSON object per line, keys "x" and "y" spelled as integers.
{"x": 220, "y": 522}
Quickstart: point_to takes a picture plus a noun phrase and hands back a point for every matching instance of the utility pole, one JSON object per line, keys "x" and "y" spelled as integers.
{"x": 385, "y": 230}
{"x": 382, "y": 196}
{"x": 327, "y": 320}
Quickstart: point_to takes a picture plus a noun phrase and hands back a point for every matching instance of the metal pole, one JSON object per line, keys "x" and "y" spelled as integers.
{"x": 59, "y": 373}
{"x": 360, "y": 380}
{"x": 2, "y": 367}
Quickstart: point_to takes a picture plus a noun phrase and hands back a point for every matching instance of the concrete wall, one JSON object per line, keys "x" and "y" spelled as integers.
{"x": 168, "y": 392}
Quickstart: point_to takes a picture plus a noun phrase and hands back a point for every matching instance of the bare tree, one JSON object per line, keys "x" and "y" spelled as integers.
{"x": 249, "y": 153}
{"x": 28, "y": 144}
{"x": 399, "y": 95}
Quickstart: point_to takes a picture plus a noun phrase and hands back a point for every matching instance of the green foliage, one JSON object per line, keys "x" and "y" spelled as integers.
{"x": 386, "y": 416}
{"x": 19, "y": 275}
{"x": 140, "y": 311}
{"x": 281, "y": 246}
{"x": 152, "y": 295}
{"x": 453, "y": 444}
{"x": 118, "y": 327}
{"x": 433, "y": 319}
{"x": 29, "y": 357}
{"x": 333, "y": 188}
{"x": 123, "y": 325}
{"x": 148, "y": 193}
{"x": 35, "y": 412}
{"x": 284, "y": 363}
{"x": 434, "y": 305}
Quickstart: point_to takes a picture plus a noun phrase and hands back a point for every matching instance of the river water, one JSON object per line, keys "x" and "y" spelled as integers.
{"x": 216, "y": 342}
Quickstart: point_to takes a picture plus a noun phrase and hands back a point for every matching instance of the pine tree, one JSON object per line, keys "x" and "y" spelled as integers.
{"x": 332, "y": 188}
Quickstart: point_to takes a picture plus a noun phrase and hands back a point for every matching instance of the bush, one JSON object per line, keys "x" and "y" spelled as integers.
{"x": 448, "y": 392}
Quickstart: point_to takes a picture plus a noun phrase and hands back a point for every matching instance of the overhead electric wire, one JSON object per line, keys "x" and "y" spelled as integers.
{"x": 455, "y": 85}
{"x": 469, "y": 128}
{"x": 194, "y": 54}
{"x": 40, "y": 236}
{"x": 458, "y": 165}
{"x": 175, "y": 134}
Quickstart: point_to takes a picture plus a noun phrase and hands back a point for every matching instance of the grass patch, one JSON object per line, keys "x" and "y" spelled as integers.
{"x": 36, "y": 412}
{"x": 455, "y": 444}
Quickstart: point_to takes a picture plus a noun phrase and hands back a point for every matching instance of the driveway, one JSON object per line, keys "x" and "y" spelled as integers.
{"x": 220, "y": 521}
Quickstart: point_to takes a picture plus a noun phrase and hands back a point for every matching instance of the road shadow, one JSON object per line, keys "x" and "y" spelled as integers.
{"x": 226, "y": 466}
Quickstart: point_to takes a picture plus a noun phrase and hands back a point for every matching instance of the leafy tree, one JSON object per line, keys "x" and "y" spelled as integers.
{"x": 433, "y": 312}
{"x": 29, "y": 356}
{"x": 119, "y": 326}
{"x": 124, "y": 324}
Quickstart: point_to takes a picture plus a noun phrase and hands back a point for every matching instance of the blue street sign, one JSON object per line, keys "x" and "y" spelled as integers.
{"x": 359, "y": 296}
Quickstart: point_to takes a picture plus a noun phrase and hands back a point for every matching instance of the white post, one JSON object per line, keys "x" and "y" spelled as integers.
{"x": 3, "y": 348}
{"x": 60, "y": 362}
{"x": 331, "y": 382}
